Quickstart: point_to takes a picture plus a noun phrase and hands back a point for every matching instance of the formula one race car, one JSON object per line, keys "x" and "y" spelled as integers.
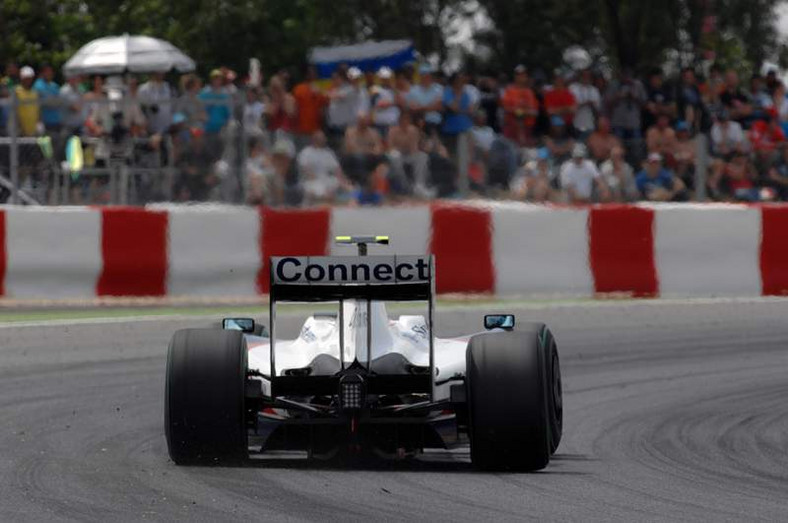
{"x": 355, "y": 381}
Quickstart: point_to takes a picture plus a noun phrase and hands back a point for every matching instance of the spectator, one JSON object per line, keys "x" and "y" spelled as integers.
{"x": 580, "y": 176}
{"x": 425, "y": 100}
{"x": 195, "y": 166}
{"x": 363, "y": 151}
{"x": 559, "y": 143}
{"x": 385, "y": 112}
{"x": 458, "y": 109}
{"x": 735, "y": 100}
{"x": 537, "y": 182}
{"x": 625, "y": 98}
{"x": 253, "y": 112}
{"x": 48, "y": 91}
{"x": 659, "y": 100}
{"x": 360, "y": 92}
{"x": 656, "y": 183}
{"x": 684, "y": 154}
{"x": 601, "y": 142}
{"x": 320, "y": 171}
{"x": 559, "y": 100}
{"x": 402, "y": 86}
{"x": 73, "y": 111}
{"x": 760, "y": 96}
{"x": 661, "y": 138}
{"x": 520, "y": 109}
{"x": 727, "y": 136}
{"x": 766, "y": 138}
{"x": 408, "y": 163}
{"x": 309, "y": 101}
{"x": 689, "y": 102}
{"x": 734, "y": 179}
{"x": 133, "y": 116}
{"x": 279, "y": 109}
{"x": 481, "y": 133}
{"x": 780, "y": 103}
{"x": 343, "y": 105}
{"x": 619, "y": 177}
{"x": 191, "y": 105}
{"x": 489, "y": 102}
{"x": 285, "y": 174}
{"x": 588, "y": 104}
{"x": 27, "y": 112}
{"x": 217, "y": 104}
{"x": 156, "y": 97}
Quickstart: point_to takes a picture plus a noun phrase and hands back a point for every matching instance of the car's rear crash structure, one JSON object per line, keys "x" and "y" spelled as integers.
{"x": 355, "y": 380}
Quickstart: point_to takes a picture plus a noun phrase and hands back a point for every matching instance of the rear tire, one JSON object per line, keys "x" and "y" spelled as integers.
{"x": 512, "y": 409}
{"x": 204, "y": 410}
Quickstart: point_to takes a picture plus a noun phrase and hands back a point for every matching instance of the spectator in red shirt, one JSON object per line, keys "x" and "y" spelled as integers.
{"x": 559, "y": 100}
{"x": 309, "y": 101}
{"x": 520, "y": 108}
{"x": 766, "y": 137}
{"x": 734, "y": 180}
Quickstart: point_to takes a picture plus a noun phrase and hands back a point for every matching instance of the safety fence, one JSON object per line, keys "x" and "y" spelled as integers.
{"x": 689, "y": 250}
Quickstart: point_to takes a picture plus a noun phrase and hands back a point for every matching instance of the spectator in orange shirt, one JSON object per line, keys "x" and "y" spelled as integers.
{"x": 310, "y": 102}
{"x": 559, "y": 100}
{"x": 520, "y": 108}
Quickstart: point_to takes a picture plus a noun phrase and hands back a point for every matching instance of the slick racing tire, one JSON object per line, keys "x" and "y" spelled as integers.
{"x": 515, "y": 417}
{"x": 204, "y": 411}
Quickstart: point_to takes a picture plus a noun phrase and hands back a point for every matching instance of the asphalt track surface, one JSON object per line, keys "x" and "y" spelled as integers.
{"x": 672, "y": 412}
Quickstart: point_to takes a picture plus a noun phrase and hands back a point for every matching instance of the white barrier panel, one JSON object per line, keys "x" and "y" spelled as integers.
{"x": 708, "y": 251}
{"x": 52, "y": 252}
{"x": 213, "y": 251}
{"x": 540, "y": 250}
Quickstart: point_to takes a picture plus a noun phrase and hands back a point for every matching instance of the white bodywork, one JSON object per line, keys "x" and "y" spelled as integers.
{"x": 407, "y": 335}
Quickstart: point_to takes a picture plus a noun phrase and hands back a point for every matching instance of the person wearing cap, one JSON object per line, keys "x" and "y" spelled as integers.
{"x": 343, "y": 105}
{"x": 559, "y": 100}
{"x": 520, "y": 108}
{"x": 385, "y": 112}
{"x": 535, "y": 180}
{"x": 425, "y": 100}
{"x": 580, "y": 178}
{"x": 619, "y": 177}
{"x": 310, "y": 102}
{"x": 657, "y": 183}
{"x": 28, "y": 112}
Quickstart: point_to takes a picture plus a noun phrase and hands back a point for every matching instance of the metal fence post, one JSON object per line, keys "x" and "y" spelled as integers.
{"x": 13, "y": 147}
{"x": 463, "y": 162}
{"x": 701, "y": 166}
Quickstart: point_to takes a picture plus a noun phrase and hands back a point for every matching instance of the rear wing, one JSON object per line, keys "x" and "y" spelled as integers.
{"x": 332, "y": 278}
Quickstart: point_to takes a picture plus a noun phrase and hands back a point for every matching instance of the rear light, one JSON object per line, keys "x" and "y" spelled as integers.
{"x": 351, "y": 392}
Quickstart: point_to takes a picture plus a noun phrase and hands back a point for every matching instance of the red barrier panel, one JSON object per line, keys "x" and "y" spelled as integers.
{"x": 2, "y": 253}
{"x": 621, "y": 250}
{"x": 134, "y": 252}
{"x": 462, "y": 244}
{"x": 292, "y": 232}
{"x": 774, "y": 251}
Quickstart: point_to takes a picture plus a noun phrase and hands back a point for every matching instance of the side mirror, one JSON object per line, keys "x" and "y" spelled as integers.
{"x": 499, "y": 321}
{"x": 239, "y": 324}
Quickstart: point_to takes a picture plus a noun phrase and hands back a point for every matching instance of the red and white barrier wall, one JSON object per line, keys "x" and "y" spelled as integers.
{"x": 502, "y": 249}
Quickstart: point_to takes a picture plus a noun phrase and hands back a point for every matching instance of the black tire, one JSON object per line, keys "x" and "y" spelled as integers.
{"x": 555, "y": 401}
{"x": 509, "y": 387}
{"x": 204, "y": 411}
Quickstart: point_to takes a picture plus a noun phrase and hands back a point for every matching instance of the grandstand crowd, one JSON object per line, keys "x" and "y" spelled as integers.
{"x": 374, "y": 137}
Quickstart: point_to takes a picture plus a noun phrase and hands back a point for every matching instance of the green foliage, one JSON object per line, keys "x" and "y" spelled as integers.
{"x": 636, "y": 33}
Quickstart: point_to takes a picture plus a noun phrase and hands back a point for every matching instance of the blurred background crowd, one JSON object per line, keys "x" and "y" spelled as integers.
{"x": 436, "y": 126}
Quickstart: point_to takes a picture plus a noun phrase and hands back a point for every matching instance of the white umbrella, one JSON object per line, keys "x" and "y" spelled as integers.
{"x": 132, "y": 54}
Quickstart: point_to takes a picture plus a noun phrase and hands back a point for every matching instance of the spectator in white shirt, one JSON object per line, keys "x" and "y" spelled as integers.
{"x": 384, "y": 106}
{"x": 319, "y": 170}
{"x": 727, "y": 136}
{"x": 588, "y": 101}
{"x": 579, "y": 176}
